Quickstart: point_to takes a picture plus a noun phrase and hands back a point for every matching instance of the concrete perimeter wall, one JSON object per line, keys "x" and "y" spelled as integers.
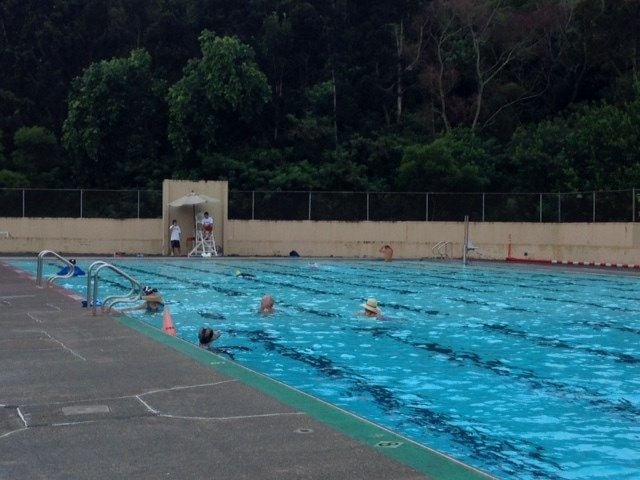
{"x": 81, "y": 235}
{"x": 95, "y": 236}
{"x": 587, "y": 242}
{"x": 579, "y": 242}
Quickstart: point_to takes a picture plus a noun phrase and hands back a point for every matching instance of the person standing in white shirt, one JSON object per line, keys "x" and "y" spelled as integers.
{"x": 175, "y": 238}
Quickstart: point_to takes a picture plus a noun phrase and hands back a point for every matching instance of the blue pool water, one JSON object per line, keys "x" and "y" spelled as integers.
{"x": 523, "y": 373}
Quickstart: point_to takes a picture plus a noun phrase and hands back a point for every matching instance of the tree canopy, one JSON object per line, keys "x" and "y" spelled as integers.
{"x": 448, "y": 95}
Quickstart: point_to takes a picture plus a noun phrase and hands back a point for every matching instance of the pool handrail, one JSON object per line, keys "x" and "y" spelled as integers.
{"x": 440, "y": 248}
{"x": 90, "y": 272}
{"x": 93, "y": 286}
{"x": 52, "y": 278}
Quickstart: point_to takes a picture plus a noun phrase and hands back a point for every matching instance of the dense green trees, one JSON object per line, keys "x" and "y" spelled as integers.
{"x": 215, "y": 104}
{"x": 596, "y": 147}
{"x": 115, "y": 127}
{"x": 446, "y": 95}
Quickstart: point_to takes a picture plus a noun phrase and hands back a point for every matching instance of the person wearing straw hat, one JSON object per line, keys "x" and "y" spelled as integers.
{"x": 371, "y": 308}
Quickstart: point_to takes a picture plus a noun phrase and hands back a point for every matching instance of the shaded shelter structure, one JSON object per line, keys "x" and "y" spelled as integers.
{"x": 186, "y": 201}
{"x": 205, "y": 246}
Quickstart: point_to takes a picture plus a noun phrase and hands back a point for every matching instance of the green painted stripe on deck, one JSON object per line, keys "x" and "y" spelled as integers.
{"x": 431, "y": 463}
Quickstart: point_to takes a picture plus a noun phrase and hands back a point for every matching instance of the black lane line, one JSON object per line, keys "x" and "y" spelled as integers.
{"x": 542, "y": 341}
{"x": 295, "y": 286}
{"x": 229, "y": 351}
{"x": 555, "y": 343}
{"x": 481, "y": 445}
{"x": 573, "y": 393}
{"x": 210, "y": 285}
{"x": 478, "y": 279}
{"x": 212, "y": 315}
{"x": 449, "y": 286}
{"x": 402, "y": 291}
{"x": 257, "y": 279}
{"x": 625, "y": 358}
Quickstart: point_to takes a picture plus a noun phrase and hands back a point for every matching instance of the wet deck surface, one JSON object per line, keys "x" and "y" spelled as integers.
{"x": 104, "y": 397}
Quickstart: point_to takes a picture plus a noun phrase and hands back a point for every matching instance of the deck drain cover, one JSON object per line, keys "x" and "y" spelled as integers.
{"x": 85, "y": 409}
{"x": 304, "y": 430}
{"x": 388, "y": 444}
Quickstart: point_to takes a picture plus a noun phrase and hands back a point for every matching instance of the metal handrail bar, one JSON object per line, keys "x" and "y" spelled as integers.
{"x": 93, "y": 285}
{"x": 39, "y": 267}
{"x": 440, "y": 248}
{"x": 437, "y": 246}
{"x": 90, "y": 272}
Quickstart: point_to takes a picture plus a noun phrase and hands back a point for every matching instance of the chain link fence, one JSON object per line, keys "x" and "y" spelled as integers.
{"x": 79, "y": 203}
{"x": 609, "y": 206}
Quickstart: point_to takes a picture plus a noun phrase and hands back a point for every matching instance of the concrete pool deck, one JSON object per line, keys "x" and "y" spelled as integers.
{"x": 110, "y": 397}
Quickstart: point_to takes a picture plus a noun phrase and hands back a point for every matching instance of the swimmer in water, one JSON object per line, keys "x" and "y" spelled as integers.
{"x": 266, "y": 305}
{"x": 153, "y": 302}
{"x": 206, "y": 336}
{"x": 244, "y": 274}
{"x": 387, "y": 253}
{"x": 371, "y": 308}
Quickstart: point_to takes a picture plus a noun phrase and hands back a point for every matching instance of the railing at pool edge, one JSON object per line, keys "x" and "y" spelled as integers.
{"x": 92, "y": 287}
{"x": 53, "y": 278}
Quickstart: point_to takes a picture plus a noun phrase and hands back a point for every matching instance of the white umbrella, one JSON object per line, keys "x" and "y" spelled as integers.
{"x": 193, "y": 199}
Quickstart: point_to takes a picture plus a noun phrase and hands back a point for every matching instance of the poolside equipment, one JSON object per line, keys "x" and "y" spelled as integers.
{"x": 93, "y": 273}
{"x": 40, "y": 262}
{"x": 167, "y": 323}
{"x": 203, "y": 245}
{"x": 440, "y": 249}
{"x": 76, "y": 270}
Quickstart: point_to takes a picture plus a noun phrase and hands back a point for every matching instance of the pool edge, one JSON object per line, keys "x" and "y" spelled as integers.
{"x": 430, "y": 462}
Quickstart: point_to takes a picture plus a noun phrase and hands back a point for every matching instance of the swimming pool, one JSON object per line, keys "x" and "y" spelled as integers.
{"x": 523, "y": 373}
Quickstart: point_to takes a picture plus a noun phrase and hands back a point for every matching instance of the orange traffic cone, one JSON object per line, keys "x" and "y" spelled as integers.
{"x": 167, "y": 323}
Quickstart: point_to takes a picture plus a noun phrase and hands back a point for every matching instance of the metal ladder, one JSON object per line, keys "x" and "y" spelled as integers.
{"x": 204, "y": 246}
{"x": 440, "y": 249}
{"x": 93, "y": 274}
{"x": 55, "y": 277}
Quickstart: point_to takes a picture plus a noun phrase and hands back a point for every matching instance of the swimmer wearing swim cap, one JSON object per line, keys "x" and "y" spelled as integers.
{"x": 244, "y": 274}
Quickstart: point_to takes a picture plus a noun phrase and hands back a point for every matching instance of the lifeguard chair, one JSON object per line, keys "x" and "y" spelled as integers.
{"x": 204, "y": 245}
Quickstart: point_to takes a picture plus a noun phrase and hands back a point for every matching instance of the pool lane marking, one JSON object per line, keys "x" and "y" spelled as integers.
{"x": 591, "y": 351}
{"x": 543, "y": 341}
{"x": 397, "y": 306}
{"x": 474, "y": 281}
{"x": 421, "y": 417}
{"x": 390, "y": 305}
{"x": 435, "y": 464}
{"x": 211, "y": 285}
{"x": 307, "y": 289}
{"x": 578, "y": 394}
{"x": 619, "y": 357}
